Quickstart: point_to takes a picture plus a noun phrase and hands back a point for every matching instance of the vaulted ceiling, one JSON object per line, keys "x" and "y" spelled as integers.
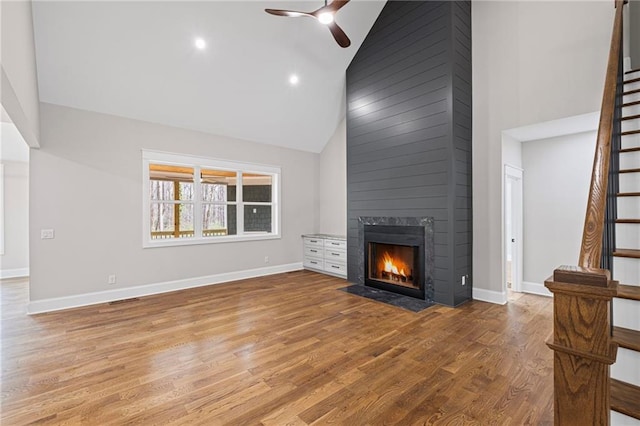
{"x": 138, "y": 60}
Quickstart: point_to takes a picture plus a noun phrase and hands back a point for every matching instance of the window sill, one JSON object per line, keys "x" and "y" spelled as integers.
{"x": 208, "y": 240}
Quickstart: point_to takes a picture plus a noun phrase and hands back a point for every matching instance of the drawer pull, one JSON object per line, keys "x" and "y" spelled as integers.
{"x": 335, "y": 254}
{"x": 313, "y": 241}
{"x": 314, "y": 263}
{"x": 335, "y": 244}
{"x": 334, "y": 266}
{"x": 313, "y": 251}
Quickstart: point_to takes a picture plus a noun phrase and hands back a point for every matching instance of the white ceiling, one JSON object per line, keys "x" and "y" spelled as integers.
{"x": 138, "y": 60}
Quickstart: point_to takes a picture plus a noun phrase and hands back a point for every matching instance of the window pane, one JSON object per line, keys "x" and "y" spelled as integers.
{"x": 170, "y": 182}
{"x": 164, "y": 224}
{"x": 218, "y": 185}
{"x": 257, "y": 218}
{"x": 232, "y": 219}
{"x": 161, "y": 190}
{"x": 218, "y": 219}
{"x": 256, "y": 188}
{"x": 186, "y": 191}
{"x": 162, "y": 217}
{"x": 186, "y": 220}
{"x": 214, "y": 220}
{"x": 214, "y": 192}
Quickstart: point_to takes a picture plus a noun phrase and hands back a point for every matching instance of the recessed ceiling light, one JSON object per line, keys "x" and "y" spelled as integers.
{"x": 294, "y": 80}
{"x": 325, "y": 18}
{"x": 200, "y": 43}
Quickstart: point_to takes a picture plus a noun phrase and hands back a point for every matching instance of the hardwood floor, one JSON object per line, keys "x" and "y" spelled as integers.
{"x": 287, "y": 349}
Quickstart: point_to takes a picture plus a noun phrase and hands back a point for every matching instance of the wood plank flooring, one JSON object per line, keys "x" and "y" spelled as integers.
{"x": 288, "y": 349}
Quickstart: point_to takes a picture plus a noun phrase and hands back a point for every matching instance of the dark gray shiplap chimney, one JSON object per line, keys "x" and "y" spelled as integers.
{"x": 409, "y": 132}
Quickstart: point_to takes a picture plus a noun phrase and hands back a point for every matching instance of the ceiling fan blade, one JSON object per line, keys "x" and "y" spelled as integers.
{"x": 332, "y": 8}
{"x": 339, "y": 35}
{"x": 289, "y": 13}
{"x": 335, "y": 5}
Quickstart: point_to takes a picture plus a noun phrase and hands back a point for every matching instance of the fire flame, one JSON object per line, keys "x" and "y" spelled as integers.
{"x": 390, "y": 267}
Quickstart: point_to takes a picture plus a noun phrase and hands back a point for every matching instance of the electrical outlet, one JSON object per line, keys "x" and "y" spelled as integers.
{"x": 111, "y": 279}
{"x": 47, "y": 234}
{"x": 464, "y": 280}
{"x": 266, "y": 259}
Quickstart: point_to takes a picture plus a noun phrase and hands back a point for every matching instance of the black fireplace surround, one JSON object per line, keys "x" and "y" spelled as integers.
{"x": 404, "y": 244}
{"x": 411, "y": 236}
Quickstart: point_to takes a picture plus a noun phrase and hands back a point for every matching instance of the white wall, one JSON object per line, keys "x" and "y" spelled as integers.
{"x": 18, "y": 79}
{"x": 332, "y": 183}
{"x": 86, "y": 184}
{"x": 634, "y": 33}
{"x": 529, "y": 66}
{"x": 511, "y": 151}
{"x": 556, "y": 188}
{"x": 14, "y": 157}
{"x": 15, "y": 260}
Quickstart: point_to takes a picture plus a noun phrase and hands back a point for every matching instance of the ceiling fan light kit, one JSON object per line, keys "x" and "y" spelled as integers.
{"x": 325, "y": 18}
{"x": 325, "y": 15}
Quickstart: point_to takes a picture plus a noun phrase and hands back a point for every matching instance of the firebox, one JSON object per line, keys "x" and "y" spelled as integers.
{"x": 394, "y": 259}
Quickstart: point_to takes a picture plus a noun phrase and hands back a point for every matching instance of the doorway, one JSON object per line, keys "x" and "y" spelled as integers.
{"x": 14, "y": 200}
{"x": 513, "y": 229}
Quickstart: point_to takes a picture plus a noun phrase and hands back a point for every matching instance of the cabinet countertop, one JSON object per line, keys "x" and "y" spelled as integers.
{"x": 328, "y": 236}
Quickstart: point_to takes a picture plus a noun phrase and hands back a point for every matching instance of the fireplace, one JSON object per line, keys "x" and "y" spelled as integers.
{"x": 393, "y": 264}
{"x": 395, "y": 259}
{"x": 407, "y": 240}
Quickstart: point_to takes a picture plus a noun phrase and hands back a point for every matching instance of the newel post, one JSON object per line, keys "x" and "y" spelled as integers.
{"x": 582, "y": 345}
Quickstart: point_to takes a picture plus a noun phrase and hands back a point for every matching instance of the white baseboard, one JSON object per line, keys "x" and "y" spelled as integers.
{"x": 14, "y": 273}
{"x": 490, "y": 296}
{"x": 535, "y": 288}
{"x": 59, "y": 303}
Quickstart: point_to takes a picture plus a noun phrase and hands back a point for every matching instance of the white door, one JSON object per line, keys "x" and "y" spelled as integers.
{"x": 513, "y": 221}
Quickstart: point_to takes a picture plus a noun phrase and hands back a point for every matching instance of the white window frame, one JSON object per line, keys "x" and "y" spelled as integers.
{"x": 158, "y": 157}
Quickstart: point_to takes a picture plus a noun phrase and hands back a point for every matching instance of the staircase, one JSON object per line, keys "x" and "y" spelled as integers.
{"x": 625, "y": 372}
{"x": 596, "y": 306}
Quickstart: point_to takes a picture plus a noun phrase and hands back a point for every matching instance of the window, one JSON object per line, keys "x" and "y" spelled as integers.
{"x": 191, "y": 200}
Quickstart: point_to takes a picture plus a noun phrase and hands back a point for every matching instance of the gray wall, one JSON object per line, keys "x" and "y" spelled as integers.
{"x": 555, "y": 191}
{"x": 634, "y": 33}
{"x": 409, "y": 131}
{"x": 14, "y": 200}
{"x": 332, "y": 183}
{"x": 86, "y": 183}
{"x": 525, "y": 73}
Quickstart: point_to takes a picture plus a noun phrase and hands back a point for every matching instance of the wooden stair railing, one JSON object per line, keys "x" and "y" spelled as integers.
{"x": 591, "y": 248}
{"x": 582, "y": 342}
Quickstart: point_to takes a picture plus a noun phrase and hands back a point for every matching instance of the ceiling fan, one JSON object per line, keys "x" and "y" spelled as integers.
{"x": 325, "y": 15}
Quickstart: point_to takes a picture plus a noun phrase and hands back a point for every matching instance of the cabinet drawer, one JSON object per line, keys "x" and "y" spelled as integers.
{"x": 313, "y": 242}
{"x": 336, "y": 268}
{"x": 335, "y": 244}
{"x": 310, "y": 262}
{"x": 312, "y": 251}
{"x": 336, "y": 256}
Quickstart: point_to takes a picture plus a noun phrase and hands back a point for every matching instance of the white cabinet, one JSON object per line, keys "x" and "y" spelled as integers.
{"x": 325, "y": 253}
